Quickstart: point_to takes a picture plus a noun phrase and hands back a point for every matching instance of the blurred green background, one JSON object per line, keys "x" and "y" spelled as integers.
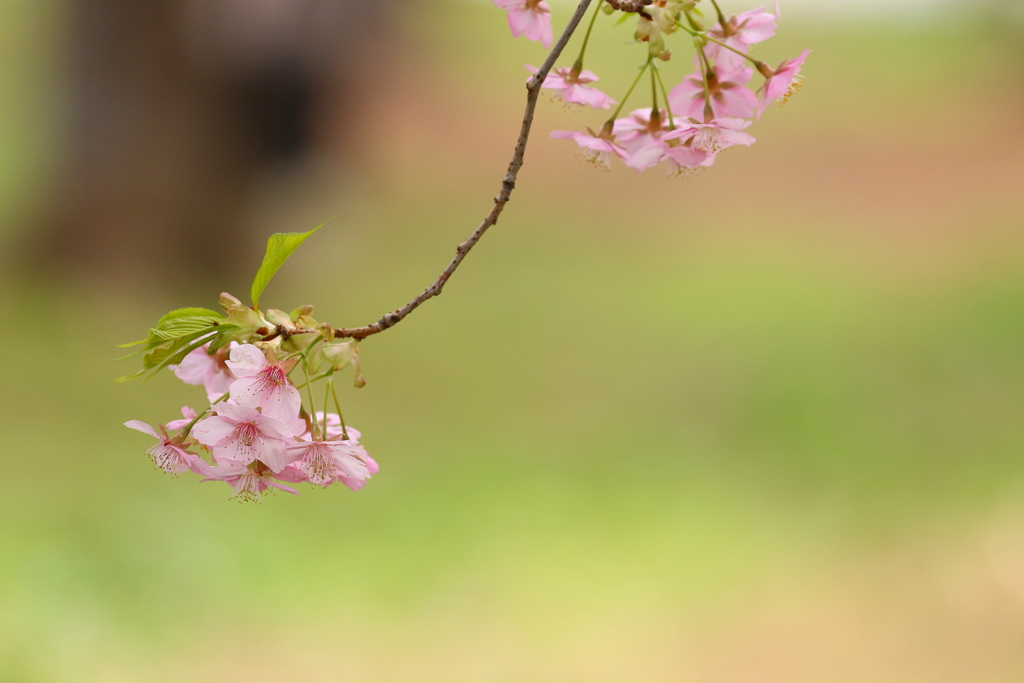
{"x": 763, "y": 424}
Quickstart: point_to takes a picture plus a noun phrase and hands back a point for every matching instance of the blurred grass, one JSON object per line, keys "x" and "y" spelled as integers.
{"x": 652, "y": 431}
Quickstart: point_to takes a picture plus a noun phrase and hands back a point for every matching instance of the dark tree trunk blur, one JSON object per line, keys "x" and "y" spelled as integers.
{"x": 178, "y": 108}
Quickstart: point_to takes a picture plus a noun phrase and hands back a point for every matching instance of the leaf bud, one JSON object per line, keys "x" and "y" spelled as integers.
{"x": 228, "y": 302}
{"x": 340, "y": 354}
{"x": 279, "y": 317}
{"x": 297, "y": 343}
{"x": 247, "y": 320}
{"x": 301, "y": 311}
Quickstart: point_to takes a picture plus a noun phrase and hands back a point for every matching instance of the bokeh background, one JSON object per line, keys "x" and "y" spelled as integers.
{"x": 759, "y": 425}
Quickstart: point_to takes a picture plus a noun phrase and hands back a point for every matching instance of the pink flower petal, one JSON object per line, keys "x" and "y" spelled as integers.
{"x": 140, "y": 426}
{"x": 246, "y": 360}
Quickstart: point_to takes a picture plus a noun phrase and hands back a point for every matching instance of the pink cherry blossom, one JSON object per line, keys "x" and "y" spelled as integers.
{"x": 531, "y": 18}
{"x": 697, "y": 147}
{"x": 263, "y": 384}
{"x": 597, "y": 150}
{"x": 637, "y": 130}
{"x": 243, "y": 435}
{"x": 169, "y": 454}
{"x": 248, "y": 481}
{"x": 740, "y": 32}
{"x": 713, "y": 137}
{"x": 573, "y": 89}
{"x": 682, "y": 159}
{"x": 685, "y": 160}
{"x": 211, "y": 371}
{"x": 324, "y": 462}
{"x": 729, "y": 97}
{"x": 783, "y": 84}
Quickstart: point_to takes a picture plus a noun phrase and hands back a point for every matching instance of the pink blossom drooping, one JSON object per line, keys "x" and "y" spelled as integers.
{"x": 593, "y": 148}
{"x": 693, "y": 146}
{"x": 325, "y": 462}
{"x": 681, "y": 158}
{"x": 243, "y": 435}
{"x": 740, "y": 32}
{"x": 639, "y": 129}
{"x": 170, "y": 455}
{"x": 729, "y": 97}
{"x": 714, "y": 136}
{"x": 572, "y": 87}
{"x": 531, "y": 18}
{"x": 263, "y": 384}
{"x": 783, "y": 84}
{"x": 248, "y": 482}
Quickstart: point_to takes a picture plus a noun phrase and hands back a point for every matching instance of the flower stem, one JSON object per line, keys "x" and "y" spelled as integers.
{"x": 337, "y": 406}
{"x": 315, "y": 424}
{"x": 721, "y": 17}
{"x": 756, "y": 62}
{"x": 629, "y": 92}
{"x": 654, "y": 90}
{"x": 327, "y": 399}
{"x": 709, "y": 113}
{"x": 578, "y": 66}
{"x": 188, "y": 428}
{"x": 668, "y": 106}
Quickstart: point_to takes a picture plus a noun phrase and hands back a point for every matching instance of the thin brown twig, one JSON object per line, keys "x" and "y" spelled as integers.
{"x": 507, "y": 185}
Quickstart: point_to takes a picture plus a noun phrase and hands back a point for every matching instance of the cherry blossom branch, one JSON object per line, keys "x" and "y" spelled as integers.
{"x": 508, "y": 184}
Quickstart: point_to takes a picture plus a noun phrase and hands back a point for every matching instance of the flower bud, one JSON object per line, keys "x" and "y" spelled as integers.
{"x": 315, "y": 358}
{"x": 297, "y": 343}
{"x": 247, "y": 320}
{"x": 340, "y": 354}
{"x": 301, "y": 311}
{"x": 279, "y": 317}
{"x": 227, "y": 301}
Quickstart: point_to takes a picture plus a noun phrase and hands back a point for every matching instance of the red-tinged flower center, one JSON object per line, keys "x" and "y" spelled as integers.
{"x": 165, "y": 456}
{"x": 247, "y": 434}
{"x": 273, "y": 375}
{"x": 250, "y": 444}
{"x": 248, "y": 486}
{"x": 318, "y": 463}
{"x": 708, "y": 139}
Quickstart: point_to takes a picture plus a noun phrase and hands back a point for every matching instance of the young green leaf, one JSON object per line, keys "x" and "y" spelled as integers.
{"x": 279, "y": 247}
{"x": 189, "y": 313}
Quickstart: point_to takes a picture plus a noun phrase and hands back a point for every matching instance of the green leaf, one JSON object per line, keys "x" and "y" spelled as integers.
{"x": 222, "y": 337}
{"x": 183, "y": 326}
{"x": 181, "y": 348}
{"x": 189, "y": 313}
{"x": 279, "y": 247}
{"x": 177, "y": 334}
{"x": 128, "y": 378}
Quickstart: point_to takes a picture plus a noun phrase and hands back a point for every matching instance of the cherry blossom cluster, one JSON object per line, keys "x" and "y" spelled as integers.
{"x": 256, "y": 433}
{"x": 686, "y": 127}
